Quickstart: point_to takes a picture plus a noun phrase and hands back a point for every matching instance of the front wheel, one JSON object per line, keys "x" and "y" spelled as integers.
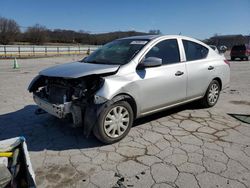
{"x": 212, "y": 94}
{"x": 114, "y": 122}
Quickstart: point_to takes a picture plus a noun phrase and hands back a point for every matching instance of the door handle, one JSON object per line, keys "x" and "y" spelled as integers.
{"x": 179, "y": 73}
{"x": 210, "y": 68}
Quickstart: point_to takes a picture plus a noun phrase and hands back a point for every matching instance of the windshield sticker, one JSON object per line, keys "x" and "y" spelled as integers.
{"x": 141, "y": 42}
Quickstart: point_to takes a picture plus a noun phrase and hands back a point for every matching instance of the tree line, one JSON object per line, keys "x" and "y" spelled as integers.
{"x": 10, "y": 33}
{"x": 228, "y": 40}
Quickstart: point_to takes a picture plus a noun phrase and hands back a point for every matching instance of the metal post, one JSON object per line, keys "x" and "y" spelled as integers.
{"x": 69, "y": 50}
{"x": 45, "y": 50}
{"x": 19, "y": 54}
{"x": 57, "y": 50}
{"x": 33, "y": 50}
{"x": 5, "y": 53}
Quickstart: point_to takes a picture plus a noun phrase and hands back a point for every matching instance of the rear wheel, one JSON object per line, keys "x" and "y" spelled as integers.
{"x": 232, "y": 58}
{"x": 212, "y": 94}
{"x": 114, "y": 122}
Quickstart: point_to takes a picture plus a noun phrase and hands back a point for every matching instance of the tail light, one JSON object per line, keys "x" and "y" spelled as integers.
{"x": 227, "y": 62}
{"x": 248, "y": 51}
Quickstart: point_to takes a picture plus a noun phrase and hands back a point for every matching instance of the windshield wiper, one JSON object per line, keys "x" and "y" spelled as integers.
{"x": 97, "y": 62}
{"x": 102, "y": 62}
{"x": 92, "y": 62}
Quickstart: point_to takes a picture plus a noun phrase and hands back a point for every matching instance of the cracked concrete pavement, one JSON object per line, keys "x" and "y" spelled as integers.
{"x": 182, "y": 147}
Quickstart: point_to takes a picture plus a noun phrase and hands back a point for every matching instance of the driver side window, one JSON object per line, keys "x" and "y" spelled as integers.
{"x": 167, "y": 50}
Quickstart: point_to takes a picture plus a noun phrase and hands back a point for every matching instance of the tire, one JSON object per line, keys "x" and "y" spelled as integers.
{"x": 109, "y": 135}
{"x": 247, "y": 58}
{"x": 232, "y": 58}
{"x": 212, "y": 94}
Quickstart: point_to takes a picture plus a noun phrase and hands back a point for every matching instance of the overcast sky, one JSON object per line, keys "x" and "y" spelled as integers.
{"x": 197, "y": 18}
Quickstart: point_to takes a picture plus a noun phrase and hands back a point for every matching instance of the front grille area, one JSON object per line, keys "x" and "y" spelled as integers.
{"x": 57, "y": 94}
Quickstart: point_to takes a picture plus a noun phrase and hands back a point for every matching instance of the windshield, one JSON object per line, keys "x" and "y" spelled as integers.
{"x": 118, "y": 52}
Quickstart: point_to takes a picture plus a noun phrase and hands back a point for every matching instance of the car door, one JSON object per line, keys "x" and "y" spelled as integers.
{"x": 199, "y": 68}
{"x": 166, "y": 84}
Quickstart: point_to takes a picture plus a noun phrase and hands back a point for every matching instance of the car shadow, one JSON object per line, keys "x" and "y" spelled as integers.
{"x": 45, "y": 132}
{"x": 167, "y": 112}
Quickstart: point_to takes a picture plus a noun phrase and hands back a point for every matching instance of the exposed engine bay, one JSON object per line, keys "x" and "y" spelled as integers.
{"x": 59, "y": 90}
{"x": 65, "y": 98}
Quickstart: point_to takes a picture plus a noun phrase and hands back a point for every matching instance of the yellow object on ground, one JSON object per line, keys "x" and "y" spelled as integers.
{"x": 6, "y": 154}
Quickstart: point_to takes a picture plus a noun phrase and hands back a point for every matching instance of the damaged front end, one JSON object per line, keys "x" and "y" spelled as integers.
{"x": 72, "y": 99}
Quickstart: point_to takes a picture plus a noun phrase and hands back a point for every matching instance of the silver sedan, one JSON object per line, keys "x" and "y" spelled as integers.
{"x": 130, "y": 78}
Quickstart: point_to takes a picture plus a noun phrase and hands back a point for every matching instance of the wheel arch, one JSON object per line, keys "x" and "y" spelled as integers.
{"x": 128, "y": 98}
{"x": 218, "y": 80}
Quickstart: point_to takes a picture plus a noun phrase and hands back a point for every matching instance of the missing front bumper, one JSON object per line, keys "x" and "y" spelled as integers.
{"x": 61, "y": 110}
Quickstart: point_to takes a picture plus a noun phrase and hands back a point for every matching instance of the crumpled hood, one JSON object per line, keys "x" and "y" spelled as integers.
{"x": 78, "y": 69}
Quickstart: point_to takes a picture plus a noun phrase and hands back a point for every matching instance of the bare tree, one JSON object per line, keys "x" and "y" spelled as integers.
{"x": 37, "y": 34}
{"x": 9, "y": 30}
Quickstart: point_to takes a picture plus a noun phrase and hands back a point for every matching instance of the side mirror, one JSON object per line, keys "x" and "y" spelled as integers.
{"x": 151, "y": 62}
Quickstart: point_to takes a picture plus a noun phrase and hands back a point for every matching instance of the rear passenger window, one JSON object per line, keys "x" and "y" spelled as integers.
{"x": 167, "y": 50}
{"x": 194, "y": 51}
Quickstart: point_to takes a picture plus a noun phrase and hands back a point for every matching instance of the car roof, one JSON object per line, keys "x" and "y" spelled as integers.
{"x": 151, "y": 37}
{"x": 239, "y": 45}
{"x": 156, "y": 37}
{"x": 246, "y": 45}
{"x": 142, "y": 37}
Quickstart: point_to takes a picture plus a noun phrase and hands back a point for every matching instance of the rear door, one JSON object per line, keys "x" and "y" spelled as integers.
{"x": 199, "y": 68}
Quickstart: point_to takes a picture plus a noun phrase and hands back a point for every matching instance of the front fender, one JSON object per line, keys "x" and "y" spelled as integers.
{"x": 93, "y": 111}
{"x": 117, "y": 85}
{"x": 36, "y": 83}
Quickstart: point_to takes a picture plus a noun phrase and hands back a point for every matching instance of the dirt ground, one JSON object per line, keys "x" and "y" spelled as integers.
{"x": 182, "y": 147}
